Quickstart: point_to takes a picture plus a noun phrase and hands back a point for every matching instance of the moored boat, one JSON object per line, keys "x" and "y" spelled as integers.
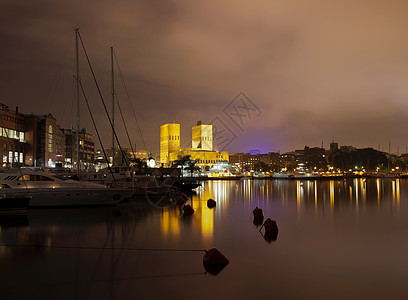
{"x": 282, "y": 175}
{"x": 14, "y": 202}
{"x": 47, "y": 189}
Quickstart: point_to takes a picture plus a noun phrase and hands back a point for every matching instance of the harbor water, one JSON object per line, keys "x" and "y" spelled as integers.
{"x": 337, "y": 239}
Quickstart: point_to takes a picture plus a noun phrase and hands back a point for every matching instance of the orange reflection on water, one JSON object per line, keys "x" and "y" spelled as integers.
{"x": 393, "y": 192}
{"x": 397, "y": 187}
{"x": 396, "y": 193}
{"x": 315, "y": 195}
{"x": 356, "y": 188}
{"x": 170, "y": 222}
{"x": 203, "y": 218}
{"x": 207, "y": 221}
{"x": 363, "y": 190}
{"x": 298, "y": 194}
{"x": 207, "y": 214}
{"x": 331, "y": 192}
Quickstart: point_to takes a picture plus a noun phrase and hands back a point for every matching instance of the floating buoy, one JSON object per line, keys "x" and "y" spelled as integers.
{"x": 258, "y": 214}
{"x": 270, "y": 236}
{"x": 211, "y": 203}
{"x": 258, "y": 222}
{"x": 270, "y": 226}
{"x": 214, "y": 261}
{"x": 188, "y": 210}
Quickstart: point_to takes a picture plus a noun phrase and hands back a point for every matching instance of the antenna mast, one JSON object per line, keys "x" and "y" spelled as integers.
{"x": 113, "y": 109}
{"x": 77, "y": 99}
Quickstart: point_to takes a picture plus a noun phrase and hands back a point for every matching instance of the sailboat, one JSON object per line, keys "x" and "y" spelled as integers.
{"x": 121, "y": 175}
{"x": 44, "y": 188}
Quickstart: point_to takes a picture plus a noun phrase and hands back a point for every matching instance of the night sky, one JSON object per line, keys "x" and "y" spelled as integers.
{"x": 314, "y": 69}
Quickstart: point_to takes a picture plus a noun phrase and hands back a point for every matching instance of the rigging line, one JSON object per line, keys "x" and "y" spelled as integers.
{"x": 71, "y": 125}
{"x": 130, "y": 102}
{"x": 124, "y": 124}
{"x": 103, "y": 101}
{"x": 96, "y": 129}
{"x": 103, "y": 248}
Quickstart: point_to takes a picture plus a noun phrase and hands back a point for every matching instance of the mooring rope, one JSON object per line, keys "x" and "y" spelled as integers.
{"x": 105, "y": 248}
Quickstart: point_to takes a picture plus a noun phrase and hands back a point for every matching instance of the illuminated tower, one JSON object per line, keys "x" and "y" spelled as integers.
{"x": 202, "y": 137}
{"x": 169, "y": 141}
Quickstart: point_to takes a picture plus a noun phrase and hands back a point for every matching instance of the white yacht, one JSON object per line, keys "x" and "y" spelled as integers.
{"x": 48, "y": 189}
{"x": 304, "y": 175}
{"x": 282, "y": 175}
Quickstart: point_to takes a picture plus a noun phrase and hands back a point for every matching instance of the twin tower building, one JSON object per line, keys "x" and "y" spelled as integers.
{"x": 201, "y": 149}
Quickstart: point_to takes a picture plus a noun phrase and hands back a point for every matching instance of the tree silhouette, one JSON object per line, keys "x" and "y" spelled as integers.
{"x": 138, "y": 165}
{"x": 185, "y": 162}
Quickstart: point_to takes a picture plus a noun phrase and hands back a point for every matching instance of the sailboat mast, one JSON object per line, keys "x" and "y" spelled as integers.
{"x": 113, "y": 108}
{"x": 77, "y": 99}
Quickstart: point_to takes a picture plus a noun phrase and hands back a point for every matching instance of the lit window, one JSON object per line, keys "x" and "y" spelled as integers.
{"x": 50, "y": 138}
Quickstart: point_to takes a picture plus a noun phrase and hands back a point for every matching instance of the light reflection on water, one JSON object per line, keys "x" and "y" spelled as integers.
{"x": 337, "y": 239}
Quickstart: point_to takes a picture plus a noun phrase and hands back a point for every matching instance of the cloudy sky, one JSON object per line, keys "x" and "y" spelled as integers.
{"x": 315, "y": 69}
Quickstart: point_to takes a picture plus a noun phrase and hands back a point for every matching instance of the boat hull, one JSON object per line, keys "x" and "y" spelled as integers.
{"x": 68, "y": 197}
{"x": 14, "y": 202}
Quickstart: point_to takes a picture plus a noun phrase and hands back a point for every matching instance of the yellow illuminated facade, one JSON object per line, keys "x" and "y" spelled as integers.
{"x": 202, "y": 157}
{"x": 202, "y": 145}
{"x": 169, "y": 141}
{"x": 202, "y": 137}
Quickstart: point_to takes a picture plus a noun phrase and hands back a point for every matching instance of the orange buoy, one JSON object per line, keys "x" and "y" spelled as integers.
{"x": 214, "y": 261}
{"x": 270, "y": 226}
{"x": 211, "y": 203}
{"x": 258, "y": 214}
{"x": 188, "y": 210}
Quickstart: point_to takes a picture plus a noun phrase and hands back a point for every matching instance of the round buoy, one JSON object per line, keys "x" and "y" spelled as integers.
{"x": 214, "y": 261}
{"x": 257, "y": 222}
{"x": 188, "y": 210}
{"x": 270, "y": 236}
{"x": 258, "y": 214}
{"x": 211, "y": 203}
{"x": 270, "y": 225}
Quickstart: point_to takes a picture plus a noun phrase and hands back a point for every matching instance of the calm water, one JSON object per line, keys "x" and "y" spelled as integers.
{"x": 337, "y": 240}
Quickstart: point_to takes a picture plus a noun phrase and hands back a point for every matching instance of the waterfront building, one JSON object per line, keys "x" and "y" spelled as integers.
{"x": 248, "y": 161}
{"x": 12, "y": 136}
{"x": 86, "y": 149}
{"x": 334, "y": 146}
{"x": 201, "y": 150}
{"x": 202, "y": 137}
{"x": 203, "y": 158}
{"x": 45, "y": 141}
{"x": 307, "y": 159}
{"x": 290, "y": 161}
{"x": 169, "y": 142}
{"x": 129, "y": 154}
{"x": 315, "y": 158}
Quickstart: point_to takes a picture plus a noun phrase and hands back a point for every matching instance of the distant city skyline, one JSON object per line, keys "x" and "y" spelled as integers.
{"x": 315, "y": 70}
